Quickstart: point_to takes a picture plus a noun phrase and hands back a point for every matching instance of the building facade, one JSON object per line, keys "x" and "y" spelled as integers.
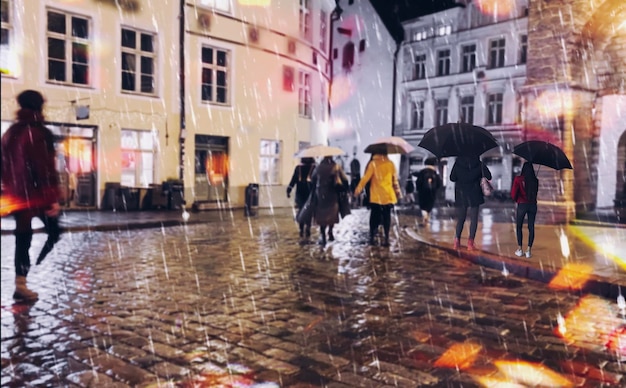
{"x": 216, "y": 93}
{"x": 465, "y": 65}
{"x": 362, "y": 86}
{"x": 538, "y": 69}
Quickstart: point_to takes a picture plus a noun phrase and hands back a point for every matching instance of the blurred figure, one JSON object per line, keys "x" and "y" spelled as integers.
{"x": 355, "y": 177}
{"x": 409, "y": 189}
{"x": 326, "y": 178}
{"x": 427, "y": 184}
{"x": 467, "y": 173}
{"x": 384, "y": 193}
{"x": 301, "y": 180}
{"x": 524, "y": 193}
{"x": 29, "y": 174}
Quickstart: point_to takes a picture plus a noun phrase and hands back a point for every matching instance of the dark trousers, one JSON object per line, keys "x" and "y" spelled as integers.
{"x": 380, "y": 214}
{"x": 461, "y": 214}
{"x": 24, "y": 236}
{"x": 523, "y": 210}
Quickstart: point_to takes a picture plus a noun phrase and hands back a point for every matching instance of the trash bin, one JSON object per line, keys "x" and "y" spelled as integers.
{"x": 252, "y": 200}
{"x": 175, "y": 194}
{"x": 130, "y": 198}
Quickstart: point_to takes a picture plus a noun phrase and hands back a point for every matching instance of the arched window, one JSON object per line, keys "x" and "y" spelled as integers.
{"x": 348, "y": 56}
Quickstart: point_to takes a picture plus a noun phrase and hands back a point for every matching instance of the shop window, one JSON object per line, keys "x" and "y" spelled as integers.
{"x": 138, "y": 152}
{"x": 270, "y": 162}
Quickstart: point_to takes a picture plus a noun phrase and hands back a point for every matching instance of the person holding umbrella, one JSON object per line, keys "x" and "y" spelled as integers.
{"x": 467, "y": 173}
{"x": 324, "y": 181}
{"x": 524, "y": 192}
{"x": 301, "y": 180}
{"x": 384, "y": 193}
{"x": 428, "y": 183}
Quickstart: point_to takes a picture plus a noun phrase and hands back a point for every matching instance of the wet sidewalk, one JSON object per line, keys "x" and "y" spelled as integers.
{"x": 585, "y": 254}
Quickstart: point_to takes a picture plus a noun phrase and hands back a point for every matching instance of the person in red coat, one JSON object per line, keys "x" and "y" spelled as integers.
{"x": 29, "y": 176}
{"x": 524, "y": 192}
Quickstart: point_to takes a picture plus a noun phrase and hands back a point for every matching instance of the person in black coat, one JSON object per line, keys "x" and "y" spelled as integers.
{"x": 301, "y": 180}
{"x": 467, "y": 173}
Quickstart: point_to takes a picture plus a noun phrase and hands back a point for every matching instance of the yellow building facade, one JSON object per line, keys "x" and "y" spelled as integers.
{"x": 214, "y": 93}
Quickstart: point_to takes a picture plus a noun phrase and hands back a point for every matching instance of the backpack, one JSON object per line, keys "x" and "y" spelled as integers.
{"x": 430, "y": 180}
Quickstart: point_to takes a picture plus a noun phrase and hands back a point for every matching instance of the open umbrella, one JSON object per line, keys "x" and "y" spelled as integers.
{"x": 318, "y": 151}
{"x": 456, "y": 139}
{"x": 543, "y": 153}
{"x": 389, "y": 145}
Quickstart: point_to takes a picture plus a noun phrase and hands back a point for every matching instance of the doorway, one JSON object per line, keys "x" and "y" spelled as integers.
{"x": 211, "y": 168}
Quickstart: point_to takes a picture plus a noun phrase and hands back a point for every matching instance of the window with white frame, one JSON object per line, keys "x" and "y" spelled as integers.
{"x": 417, "y": 115}
{"x": 523, "y": 48}
{"x": 468, "y": 58}
{"x": 304, "y": 94}
{"x": 215, "y": 75}
{"x": 219, "y": 5}
{"x": 138, "y": 61}
{"x": 443, "y": 62}
{"x": 6, "y": 43}
{"x": 441, "y": 111}
{"x": 467, "y": 109}
{"x": 69, "y": 43}
{"x": 138, "y": 151}
{"x": 496, "y": 53}
{"x": 305, "y": 19}
{"x": 270, "y": 162}
{"x": 494, "y": 108}
{"x": 419, "y": 70}
{"x": 323, "y": 29}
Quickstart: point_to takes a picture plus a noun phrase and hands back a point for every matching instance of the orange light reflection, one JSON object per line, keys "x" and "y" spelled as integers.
{"x": 496, "y": 7}
{"x": 571, "y": 277}
{"x": 461, "y": 356}
{"x": 531, "y": 374}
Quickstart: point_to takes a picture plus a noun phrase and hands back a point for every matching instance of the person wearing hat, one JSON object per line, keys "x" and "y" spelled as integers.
{"x": 29, "y": 177}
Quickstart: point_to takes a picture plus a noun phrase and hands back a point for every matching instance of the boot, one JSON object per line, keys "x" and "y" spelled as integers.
{"x": 386, "y": 242}
{"x": 301, "y": 230}
{"x": 457, "y": 243}
{"x": 331, "y": 236}
{"x": 308, "y": 231}
{"x": 470, "y": 245}
{"x": 22, "y": 292}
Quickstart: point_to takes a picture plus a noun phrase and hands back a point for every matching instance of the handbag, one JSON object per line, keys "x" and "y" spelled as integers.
{"x": 485, "y": 185}
{"x": 305, "y": 214}
{"x": 344, "y": 204}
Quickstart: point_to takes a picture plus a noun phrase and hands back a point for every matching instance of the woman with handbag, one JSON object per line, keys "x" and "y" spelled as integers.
{"x": 324, "y": 182}
{"x": 524, "y": 193}
{"x": 384, "y": 193}
{"x": 301, "y": 180}
{"x": 467, "y": 173}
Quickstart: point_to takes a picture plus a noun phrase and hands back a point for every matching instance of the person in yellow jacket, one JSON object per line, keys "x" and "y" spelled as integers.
{"x": 384, "y": 193}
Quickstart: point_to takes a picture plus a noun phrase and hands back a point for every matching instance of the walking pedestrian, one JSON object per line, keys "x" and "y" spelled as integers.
{"x": 327, "y": 178}
{"x": 409, "y": 189}
{"x": 428, "y": 182}
{"x": 29, "y": 175}
{"x": 301, "y": 180}
{"x": 384, "y": 194}
{"x": 467, "y": 173}
{"x": 355, "y": 177}
{"x": 524, "y": 193}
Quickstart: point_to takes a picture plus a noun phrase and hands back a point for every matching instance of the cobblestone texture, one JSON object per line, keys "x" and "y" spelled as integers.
{"x": 246, "y": 301}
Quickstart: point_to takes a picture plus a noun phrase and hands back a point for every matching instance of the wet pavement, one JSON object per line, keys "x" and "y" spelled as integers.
{"x": 245, "y": 302}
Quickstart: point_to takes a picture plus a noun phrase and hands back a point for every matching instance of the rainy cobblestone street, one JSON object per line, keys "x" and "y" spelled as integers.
{"x": 244, "y": 302}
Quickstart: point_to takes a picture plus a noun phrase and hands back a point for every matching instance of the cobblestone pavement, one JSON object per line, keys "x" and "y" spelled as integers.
{"x": 245, "y": 302}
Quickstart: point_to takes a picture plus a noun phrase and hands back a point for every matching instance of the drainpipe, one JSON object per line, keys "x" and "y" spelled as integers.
{"x": 393, "y": 94}
{"x": 181, "y": 80}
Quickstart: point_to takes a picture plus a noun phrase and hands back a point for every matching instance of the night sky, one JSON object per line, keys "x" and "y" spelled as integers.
{"x": 392, "y": 12}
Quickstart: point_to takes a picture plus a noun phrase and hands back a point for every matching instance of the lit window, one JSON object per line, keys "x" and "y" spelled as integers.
{"x": 68, "y": 48}
{"x": 138, "y": 62}
{"x": 6, "y": 44}
{"x": 269, "y": 169}
{"x": 304, "y": 94}
{"x": 138, "y": 153}
{"x": 215, "y": 75}
{"x": 305, "y": 19}
{"x": 220, "y": 5}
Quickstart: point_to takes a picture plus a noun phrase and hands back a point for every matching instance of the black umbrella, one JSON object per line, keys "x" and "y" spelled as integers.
{"x": 458, "y": 139}
{"x": 543, "y": 153}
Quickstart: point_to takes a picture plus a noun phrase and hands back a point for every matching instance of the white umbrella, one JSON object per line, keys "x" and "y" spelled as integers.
{"x": 319, "y": 150}
{"x": 389, "y": 145}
